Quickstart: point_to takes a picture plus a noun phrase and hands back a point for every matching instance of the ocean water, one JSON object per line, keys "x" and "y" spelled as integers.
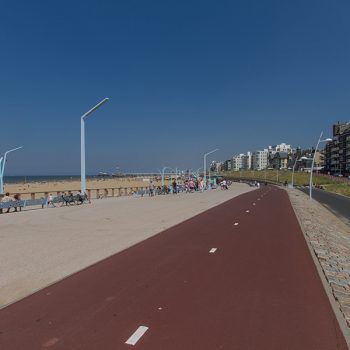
{"x": 43, "y": 178}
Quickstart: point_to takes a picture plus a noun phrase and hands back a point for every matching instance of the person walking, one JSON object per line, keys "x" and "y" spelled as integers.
{"x": 50, "y": 201}
{"x": 174, "y": 184}
{"x": 151, "y": 189}
{"x": 201, "y": 185}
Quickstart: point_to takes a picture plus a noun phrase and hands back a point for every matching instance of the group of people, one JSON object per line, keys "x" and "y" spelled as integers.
{"x": 79, "y": 198}
{"x": 7, "y": 198}
{"x": 153, "y": 189}
{"x": 192, "y": 185}
{"x": 188, "y": 185}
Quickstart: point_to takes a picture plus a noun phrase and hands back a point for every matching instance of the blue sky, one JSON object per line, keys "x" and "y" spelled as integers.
{"x": 183, "y": 77}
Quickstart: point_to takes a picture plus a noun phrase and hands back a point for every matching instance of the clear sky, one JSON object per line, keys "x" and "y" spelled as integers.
{"x": 183, "y": 77}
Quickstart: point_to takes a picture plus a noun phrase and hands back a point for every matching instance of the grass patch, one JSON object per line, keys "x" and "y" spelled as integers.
{"x": 300, "y": 178}
{"x": 343, "y": 189}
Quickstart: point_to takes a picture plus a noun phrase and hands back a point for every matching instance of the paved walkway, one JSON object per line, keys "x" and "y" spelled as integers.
{"x": 329, "y": 238}
{"x": 39, "y": 247}
{"x": 239, "y": 276}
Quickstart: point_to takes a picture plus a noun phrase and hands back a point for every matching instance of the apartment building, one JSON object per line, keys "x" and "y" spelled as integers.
{"x": 337, "y": 152}
{"x": 216, "y": 166}
{"x": 247, "y": 161}
{"x": 283, "y": 147}
{"x": 237, "y": 162}
{"x": 260, "y": 159}
{"x": 279, "y": 160}
{"x": 242, "y": 161}
{"x": 227, "y": 165}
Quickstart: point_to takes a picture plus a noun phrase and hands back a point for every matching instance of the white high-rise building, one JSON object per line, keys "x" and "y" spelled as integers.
{"x": 260, "y": 159}
{"x": 242, "y": 161}
{"x": 247, "y": 161}
{"x": 283, "y": 147}
{"x": 237, "y": 162}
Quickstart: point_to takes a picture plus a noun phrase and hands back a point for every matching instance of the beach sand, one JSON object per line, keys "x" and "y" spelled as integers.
{"x": 39, "y": 247}
{"x": 25, "y": 189}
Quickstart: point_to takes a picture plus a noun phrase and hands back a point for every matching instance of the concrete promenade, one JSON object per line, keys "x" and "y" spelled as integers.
{"x": 39, "y": 247}
{"x": 238, "y": 276}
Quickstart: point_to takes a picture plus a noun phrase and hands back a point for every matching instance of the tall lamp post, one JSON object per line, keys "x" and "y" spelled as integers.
{"x": 2, "y": 168}
{"x": 295, "y": 163}
{"x": 162, "y": 173}
{"x": 197, "y": 172}
{"x": 313, "y": 160}
{"x": 205, "y": 166}
{"x": 82, "y": 144}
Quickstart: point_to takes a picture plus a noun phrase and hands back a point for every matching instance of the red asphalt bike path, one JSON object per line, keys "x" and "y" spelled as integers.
{"x": 259, "y": 290}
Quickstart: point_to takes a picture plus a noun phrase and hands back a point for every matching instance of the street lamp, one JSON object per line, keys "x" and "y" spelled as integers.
{"x": 313, "y": 161}
{"x": 162, "y": 173}
{"x": 295, "y": 163}
{"x": 196, "y": 173}
{"x": 82, "y": 144}
{"x": 2, "y": 168}
{"x": 205, "y": 166}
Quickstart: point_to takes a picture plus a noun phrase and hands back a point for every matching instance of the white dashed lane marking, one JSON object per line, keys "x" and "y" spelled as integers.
{"x": 137, "y": 335}
{"x": 247, "y": 211}
{"x": 212, "y": 250}
{"x": 236, "y": 224}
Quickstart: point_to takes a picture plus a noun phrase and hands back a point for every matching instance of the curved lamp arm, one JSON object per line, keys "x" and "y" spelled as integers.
{"x": 5, "y": 156}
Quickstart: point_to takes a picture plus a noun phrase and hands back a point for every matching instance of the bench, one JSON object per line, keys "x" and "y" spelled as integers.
{"x": 141, "y": 193}
{"x": 23, "y": 203}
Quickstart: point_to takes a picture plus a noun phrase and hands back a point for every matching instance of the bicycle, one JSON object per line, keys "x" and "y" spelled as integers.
{"x": 66, "y": 200}
{"x": 81, "y": 199}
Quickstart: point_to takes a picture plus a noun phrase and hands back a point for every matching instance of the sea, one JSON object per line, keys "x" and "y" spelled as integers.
{"x": 44, "y": 178}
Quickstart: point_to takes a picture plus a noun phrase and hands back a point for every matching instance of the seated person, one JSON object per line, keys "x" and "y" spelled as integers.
{"x": 7, "y": 198}
{"x": 17, "y": 197}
